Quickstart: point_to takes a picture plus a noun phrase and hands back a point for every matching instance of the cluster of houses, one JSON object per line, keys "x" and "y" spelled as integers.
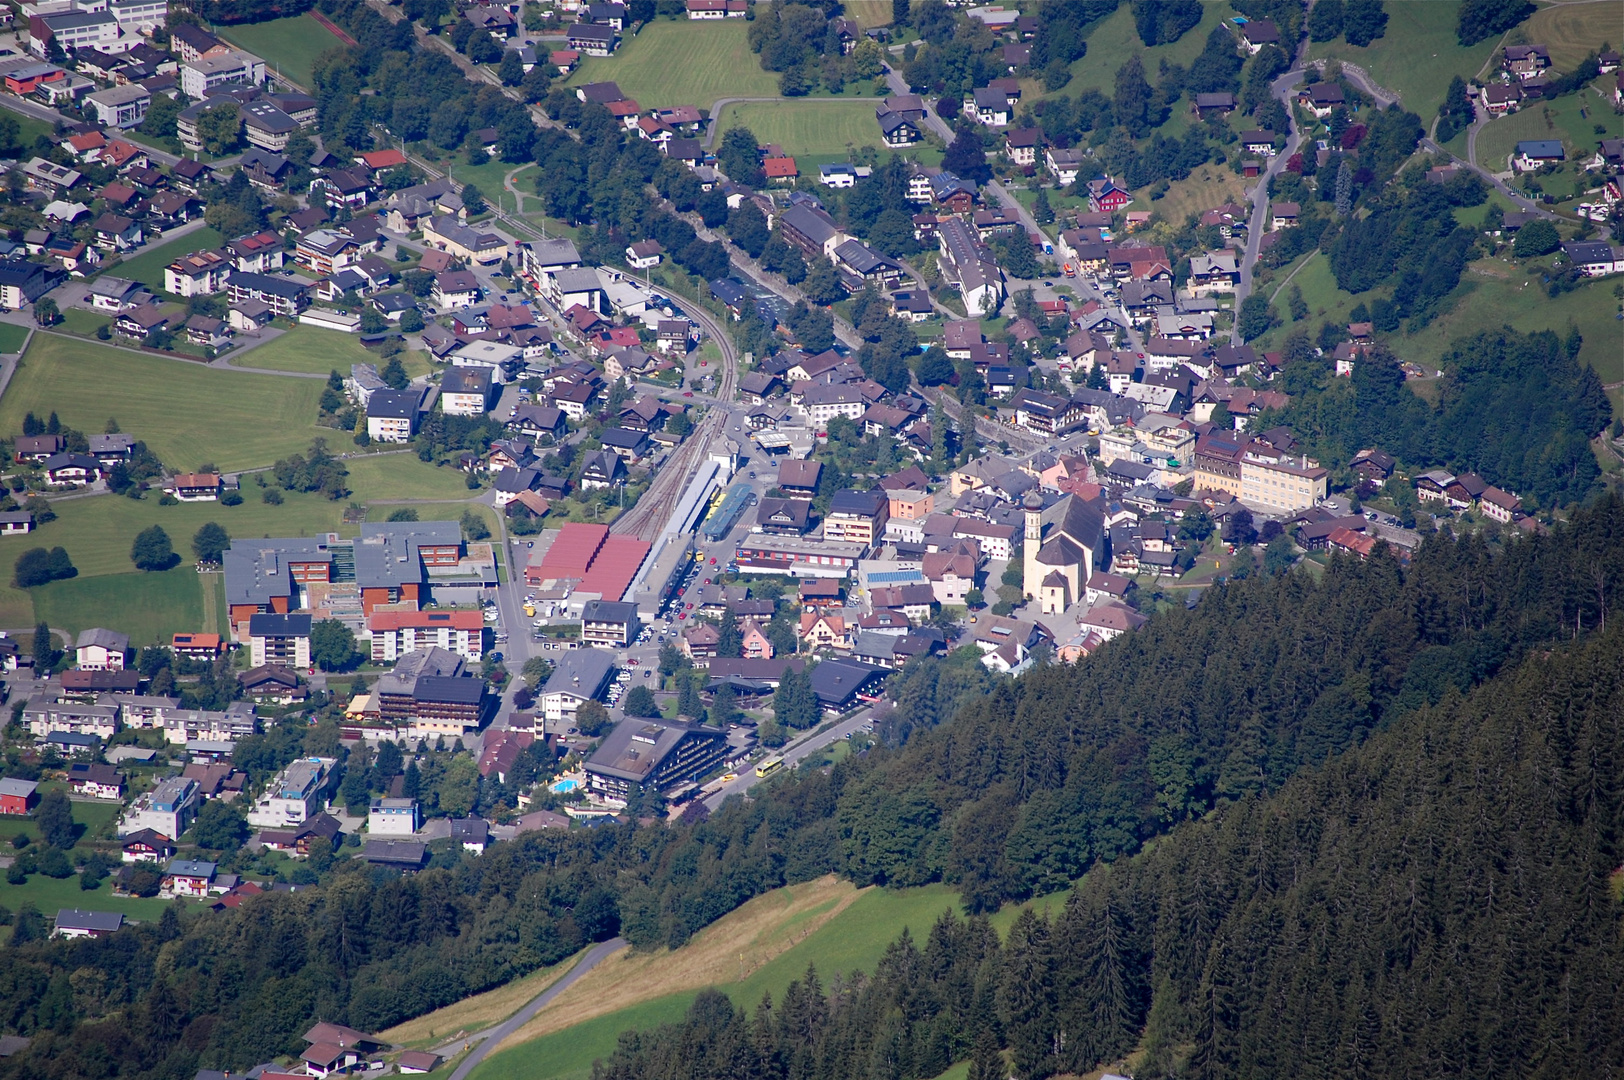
{"x": 78, "y": 711}
{"x": 1525, "y": 75}
{"x": 60, "y": 467}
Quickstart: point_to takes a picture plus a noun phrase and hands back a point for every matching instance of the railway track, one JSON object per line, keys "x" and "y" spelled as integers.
{"x": 659, "y": 502}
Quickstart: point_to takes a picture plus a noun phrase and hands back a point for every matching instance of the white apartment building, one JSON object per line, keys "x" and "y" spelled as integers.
{"x": 198, "y": 77}
{"x": 139, "y": 16}
{"x": 392, "y": 817}
{"x": 201, "y": 273}
{"x": 296, "y": 794}
{"x": 121, "y": 106}
{"x": 396, "y": 633}
{"x": 167, "y": 809}
{"x": 1282, "y": 482}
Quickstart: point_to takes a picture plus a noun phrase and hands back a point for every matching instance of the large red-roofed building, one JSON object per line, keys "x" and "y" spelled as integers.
{"x": 577, "y": 545}
{"x": 616, "y": 564}
{"x": 601, "y": 563}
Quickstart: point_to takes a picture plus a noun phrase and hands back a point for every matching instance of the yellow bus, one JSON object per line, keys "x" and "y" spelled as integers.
{"x": 770, "y": 766}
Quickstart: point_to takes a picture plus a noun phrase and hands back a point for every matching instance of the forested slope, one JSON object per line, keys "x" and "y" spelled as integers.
{"x": 1032, "y": 784}
{"x": 1434, "y": 903}
{"x": 1025, "y": 791}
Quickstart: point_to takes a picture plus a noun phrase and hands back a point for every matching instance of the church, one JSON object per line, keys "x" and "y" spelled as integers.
{"x": 1064, "y": 546}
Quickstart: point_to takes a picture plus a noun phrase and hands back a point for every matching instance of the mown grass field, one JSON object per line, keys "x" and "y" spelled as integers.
{"x": 186, "y": 413}
{"x": 869, "y": 13}
{"x": 489, "y": 177}
{"x": 96, "y": 817}
{"x": 683, "y": 63}
{"x": 1572, "y": 31}
{"x": 97, "y": 532}
{"x": 1114, "y": 39}
{"x": 289, "y": 46}
{"x": 759, "y": 948}
{"x": 30, "y": 128}
{"x": 148, "y": 267}
{"x": 12, "y": 337}
{"x": 1558, "y": 119}
{"x": 1495, "y": 293}
{"x": 51, "y": 895}
{"x": 403, "y": 476}
{"x": 1417, "y": 56}
{"x": 151, "y": 608}
{"x": 317, "y": 351}
{"x": 818, "y": 131}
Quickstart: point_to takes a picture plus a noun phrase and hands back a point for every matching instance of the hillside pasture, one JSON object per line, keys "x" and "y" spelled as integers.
{"x": 759, "y": 948}
{"x": 1559, "y": 119}
{"x": 1113, "y": 39}
{"x": 1573, "y": 31}
{"x": 1416, "y": 57}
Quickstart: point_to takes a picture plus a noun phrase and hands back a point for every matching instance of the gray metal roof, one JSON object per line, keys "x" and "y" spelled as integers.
{"x": 578, "y": 279}
{"x": 635, "y": 748}
{"x": 582, "y": 673}
{"x": 609, "y": 611}
{"x": 279, "y": 625}
{"x": 100, "y": 921}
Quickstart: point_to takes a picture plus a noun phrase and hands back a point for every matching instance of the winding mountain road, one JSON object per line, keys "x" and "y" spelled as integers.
{"x": 1384, "y": 97}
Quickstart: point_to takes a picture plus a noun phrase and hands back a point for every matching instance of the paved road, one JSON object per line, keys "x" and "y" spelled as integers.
{"x": 1384, "y": 97}
{"x": 1281, "y": 89}
{"x": 31, "y": 109}
{"x": 933, "y": 120}
{"x": 796, "y": 752}
{"x": 51, "y": 116}
{"x": 494, "y": 1036}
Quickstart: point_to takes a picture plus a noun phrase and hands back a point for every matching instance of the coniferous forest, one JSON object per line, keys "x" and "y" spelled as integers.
{"x": 1385, "y": 803}
{"x": 1433, "y": 903}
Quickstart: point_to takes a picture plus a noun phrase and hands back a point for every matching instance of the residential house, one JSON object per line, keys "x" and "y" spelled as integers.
{"x": 818, "y": 630}
{"x": 99, "y": 649}
{"x": 92, "y": 781}
{"x": 988, "y": 106}
{"x": 1021, "y": 145}
{"x": 464, "y": 242}
{"x": 72, "y": 468}
{"x": 467, "y": 390}
{"x": 1321, "y": 98}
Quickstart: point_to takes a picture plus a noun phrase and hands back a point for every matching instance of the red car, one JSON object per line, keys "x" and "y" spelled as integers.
{"x": 682, "y": 615}
{"x": 687, "y": 393}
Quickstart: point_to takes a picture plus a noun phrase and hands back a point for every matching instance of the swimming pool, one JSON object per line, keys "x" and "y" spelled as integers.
{"x": 565, "y": 785}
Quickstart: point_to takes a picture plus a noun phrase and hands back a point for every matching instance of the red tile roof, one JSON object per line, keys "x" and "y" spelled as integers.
{"x": 425, "y": 620}
{"x": 383, "y": 159}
